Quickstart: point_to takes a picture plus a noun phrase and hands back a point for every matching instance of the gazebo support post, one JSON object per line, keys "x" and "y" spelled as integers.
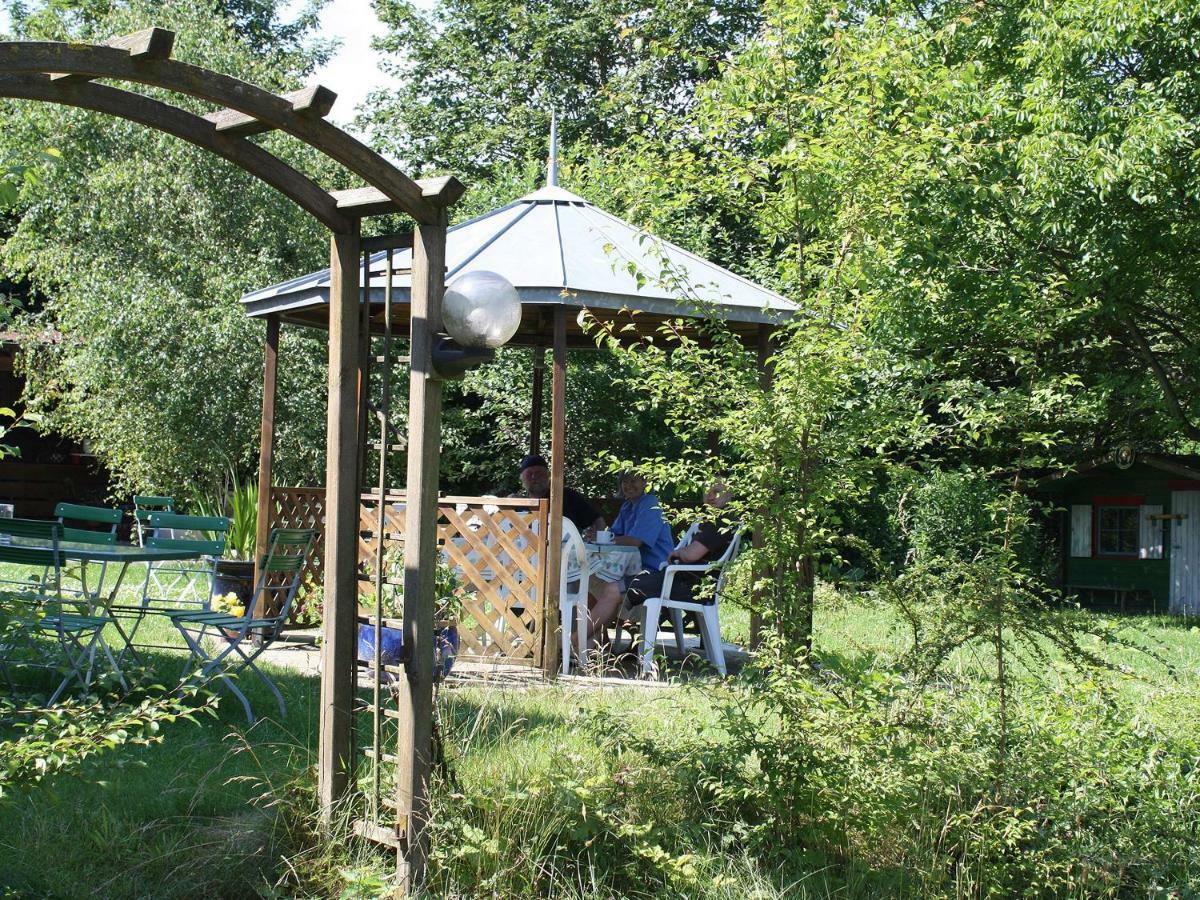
{"x": 335, "y": 762}
{"x": 535, "y": 411}
{"x": 558, "y": 463}
{"x": 415, "y": 748}
{"x": 766, "y": 377}
{"x": 266, "y": 445}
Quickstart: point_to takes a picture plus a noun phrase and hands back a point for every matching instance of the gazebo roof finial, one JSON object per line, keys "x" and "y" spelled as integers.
{"x": 552, "y": 167}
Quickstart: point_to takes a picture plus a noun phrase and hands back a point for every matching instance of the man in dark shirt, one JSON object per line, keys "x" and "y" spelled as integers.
{"x": 535, "y": 477}
{"x": 709, "y": 543}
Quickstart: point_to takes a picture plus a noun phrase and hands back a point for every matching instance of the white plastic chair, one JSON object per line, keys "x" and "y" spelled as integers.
{"x": 710, "y": 621}
{"x": 630, "y": 614}
{"x": 572, "y": 604}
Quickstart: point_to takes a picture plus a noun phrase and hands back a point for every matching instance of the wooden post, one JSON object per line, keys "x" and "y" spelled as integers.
{"x": 766, "y": 376}
{"x": 415, "y": 749}
{"x": 266, "y": 448}
{"x": 535, "y": 413}
{"x": 558, "y": 463}
{"x": 341, "y": 525}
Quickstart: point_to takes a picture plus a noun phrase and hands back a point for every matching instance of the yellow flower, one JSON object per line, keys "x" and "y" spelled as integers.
{"x": 229, "y": 603}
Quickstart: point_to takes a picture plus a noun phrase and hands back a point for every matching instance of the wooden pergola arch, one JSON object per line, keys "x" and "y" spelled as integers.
{"x": 67, "y": 74}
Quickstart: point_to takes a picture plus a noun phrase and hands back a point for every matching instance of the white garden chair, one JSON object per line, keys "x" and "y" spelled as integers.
{"x": 707, "y": 612}
{"x": 576, "y": 569}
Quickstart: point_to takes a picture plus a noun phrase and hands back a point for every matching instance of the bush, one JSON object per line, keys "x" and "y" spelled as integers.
{"x": 958, "y": 515}
{"x": 37, "y": 742}
{"x": 896, "y": 787}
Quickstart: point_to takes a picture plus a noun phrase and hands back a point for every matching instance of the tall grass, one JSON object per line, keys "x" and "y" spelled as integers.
{"x": 559, "y": 791}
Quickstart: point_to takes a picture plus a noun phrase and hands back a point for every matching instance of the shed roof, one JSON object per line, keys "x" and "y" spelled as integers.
{"x": 558, "y": 249}
{"x": 1172, "y": 465}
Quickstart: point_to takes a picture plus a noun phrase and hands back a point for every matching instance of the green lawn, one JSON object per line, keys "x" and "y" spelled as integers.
{"x": 181, "y": 819}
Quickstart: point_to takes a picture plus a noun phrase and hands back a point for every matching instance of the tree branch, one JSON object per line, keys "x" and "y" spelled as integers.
{"x": 1170, "y": 397}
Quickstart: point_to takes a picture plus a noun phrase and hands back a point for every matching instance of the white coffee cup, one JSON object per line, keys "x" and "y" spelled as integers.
{"x": 604, "y": 537}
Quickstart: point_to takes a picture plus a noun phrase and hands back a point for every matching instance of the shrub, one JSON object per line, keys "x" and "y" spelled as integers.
{"x": 894, "y": 785}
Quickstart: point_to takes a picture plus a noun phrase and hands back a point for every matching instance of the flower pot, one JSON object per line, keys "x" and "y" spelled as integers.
{"x": 391, "y": 643}
{"x": 234, "y": 576}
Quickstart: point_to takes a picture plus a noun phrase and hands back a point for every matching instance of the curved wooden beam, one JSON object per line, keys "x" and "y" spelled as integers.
{"x": 192, "y": 128}
{"x": 149, "y": 43}
{"x": 36, "y": 57}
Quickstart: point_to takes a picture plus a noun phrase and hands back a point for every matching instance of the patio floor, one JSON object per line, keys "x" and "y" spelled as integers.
{"x": 298, "y": 651}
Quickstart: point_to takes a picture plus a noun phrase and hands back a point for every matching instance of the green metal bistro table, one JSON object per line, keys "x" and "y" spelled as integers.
{"x": 120, "y": 555}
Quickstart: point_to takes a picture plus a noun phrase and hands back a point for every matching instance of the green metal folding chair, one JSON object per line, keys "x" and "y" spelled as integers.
{"x": 145, "y": 506}
{"x": 34, "y": 616}
{"x": 106, "y": 535}
{"x": 223, "y": 645}
{"x": 177, "y": 586}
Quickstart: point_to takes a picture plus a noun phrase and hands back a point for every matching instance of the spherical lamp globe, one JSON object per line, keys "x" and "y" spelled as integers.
{"x": 481, "y": 309}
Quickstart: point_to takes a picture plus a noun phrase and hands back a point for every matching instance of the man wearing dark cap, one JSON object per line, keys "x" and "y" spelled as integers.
{"x": 535, "y": 476}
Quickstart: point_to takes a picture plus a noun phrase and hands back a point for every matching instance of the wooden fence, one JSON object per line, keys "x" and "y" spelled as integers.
{"x": 303, "y": 507}
{"x": 497, "y": 545}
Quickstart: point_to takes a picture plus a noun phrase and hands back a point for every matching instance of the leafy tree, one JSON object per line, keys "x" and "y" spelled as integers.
{"x": 479, "y": 78}
{"x": 142, "y": 245}
{"x": 894, "y": 171}
{"x": 1007, "y": 194}
{"x": 795, "y": 451}
{"x": 486, "y": 427}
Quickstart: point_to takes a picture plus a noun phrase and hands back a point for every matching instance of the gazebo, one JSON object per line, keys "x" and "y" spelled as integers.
{"x": 564, "y": 255}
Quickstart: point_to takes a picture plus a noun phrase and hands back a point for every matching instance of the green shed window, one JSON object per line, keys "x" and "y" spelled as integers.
{"x": 1117, "y": 531}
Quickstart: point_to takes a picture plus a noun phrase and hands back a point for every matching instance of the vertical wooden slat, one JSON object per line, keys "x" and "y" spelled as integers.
{"x": 266, "y": 446}
{"x": 766, "y": 377}
{"x": 558, "y": 462}
{"x": 384, "y": 417}
{"x": 542, "y": 520}
{"x": 420, "y": 552}
{"x": 341, "y": 511}
{"x": 539, "y": 389}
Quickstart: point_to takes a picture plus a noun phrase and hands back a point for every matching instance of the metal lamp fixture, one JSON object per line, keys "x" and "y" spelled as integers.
{"x": 480, "y": 311}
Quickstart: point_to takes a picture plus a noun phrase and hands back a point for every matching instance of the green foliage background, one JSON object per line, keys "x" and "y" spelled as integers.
{"x": 140, "y": 246}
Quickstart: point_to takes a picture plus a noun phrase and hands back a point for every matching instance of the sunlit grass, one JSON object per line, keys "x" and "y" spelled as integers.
{"x": 179, "y": 819}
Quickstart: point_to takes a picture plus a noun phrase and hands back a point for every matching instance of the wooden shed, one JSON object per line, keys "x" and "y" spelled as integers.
{"x": 1130, "y": 530}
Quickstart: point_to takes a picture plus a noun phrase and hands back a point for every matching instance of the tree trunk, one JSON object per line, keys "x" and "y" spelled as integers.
{"x": 797, "y": 628}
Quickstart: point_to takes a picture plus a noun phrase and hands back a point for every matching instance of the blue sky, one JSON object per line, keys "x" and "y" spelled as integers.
{"x": 354, "y": 70}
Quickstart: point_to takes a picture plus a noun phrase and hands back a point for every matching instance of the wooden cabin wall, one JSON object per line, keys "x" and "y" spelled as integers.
{"x": 1149, "y": 575}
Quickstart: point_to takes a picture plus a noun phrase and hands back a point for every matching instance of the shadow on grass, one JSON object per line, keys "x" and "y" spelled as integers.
{"x": 175, "y": 819}
{"x": 469, "y": 719}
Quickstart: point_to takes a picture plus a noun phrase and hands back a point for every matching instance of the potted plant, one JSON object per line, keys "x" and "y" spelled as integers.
{"x": 234, "y": 572}
{"x": 450, "y": 593}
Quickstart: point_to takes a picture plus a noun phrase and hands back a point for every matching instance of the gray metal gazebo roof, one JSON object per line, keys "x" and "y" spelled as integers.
{"x": 558, "y": 249}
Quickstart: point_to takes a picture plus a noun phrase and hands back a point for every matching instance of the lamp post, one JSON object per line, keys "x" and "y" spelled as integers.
{"x": 480, "y": 311}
